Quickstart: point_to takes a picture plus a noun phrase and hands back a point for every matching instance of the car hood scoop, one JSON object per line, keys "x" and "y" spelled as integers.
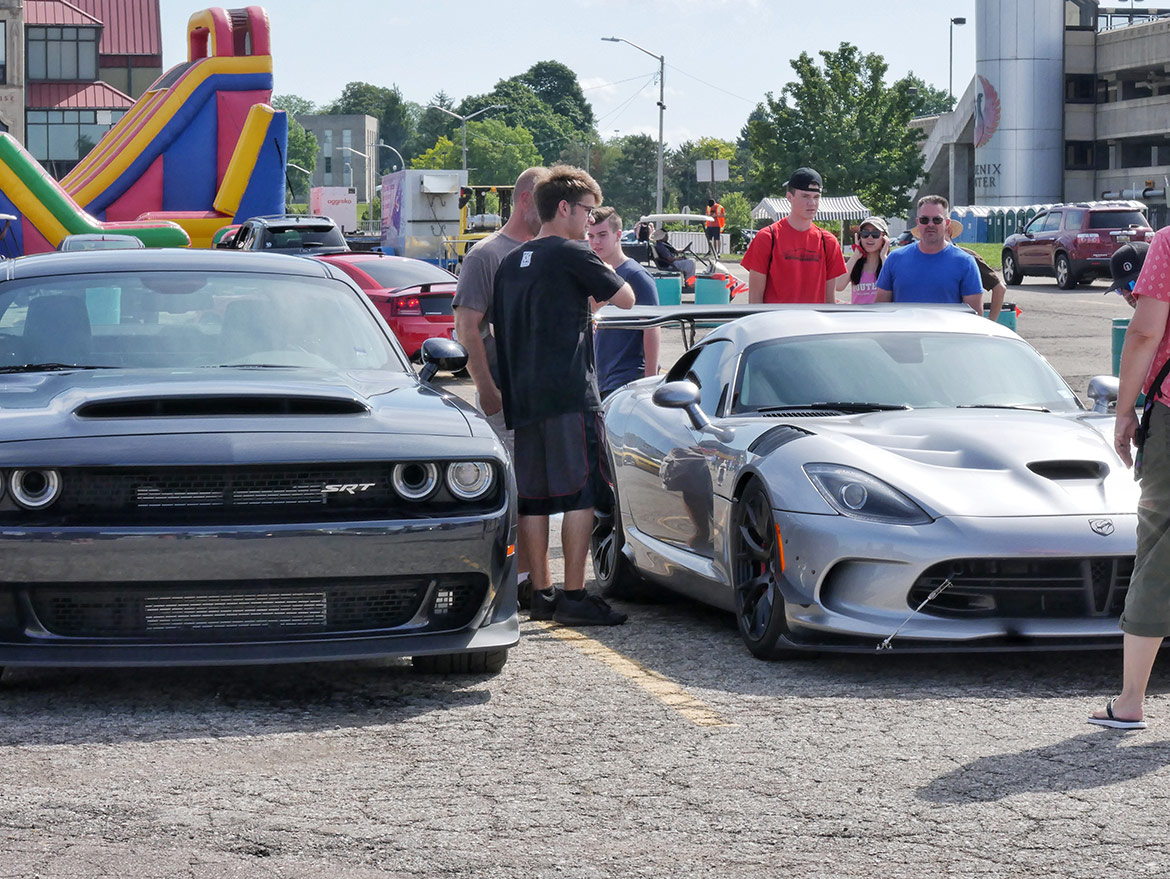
{"x": 243, "y": 405}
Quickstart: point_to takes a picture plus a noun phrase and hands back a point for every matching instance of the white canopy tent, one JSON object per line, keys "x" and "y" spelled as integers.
{"x": 848, "y": 207}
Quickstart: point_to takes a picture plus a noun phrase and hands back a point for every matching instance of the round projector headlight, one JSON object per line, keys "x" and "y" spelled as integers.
{"x": 34, "y": 489}
{"x": 416, "y": 480}
{"x": 469, "y": 480}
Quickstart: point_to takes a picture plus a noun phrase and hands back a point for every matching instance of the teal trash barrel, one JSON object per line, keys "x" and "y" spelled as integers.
{"x": 669, "y": 287}
{"x": 1007, "y": 314}
{"x": 1120, "y": 325}
{"x": 711, "y": 291}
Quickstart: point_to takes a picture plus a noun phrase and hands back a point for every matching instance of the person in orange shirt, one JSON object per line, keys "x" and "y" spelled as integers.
{"x": 715, "y": 225}
{"x": 794, "y": 260}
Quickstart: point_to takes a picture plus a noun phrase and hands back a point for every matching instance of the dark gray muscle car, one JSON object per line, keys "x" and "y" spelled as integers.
{"x": 834, "y": 475}
{"x": 227, "y": 458}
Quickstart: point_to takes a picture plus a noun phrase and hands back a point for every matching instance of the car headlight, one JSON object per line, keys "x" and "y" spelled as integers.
{"x": 469, "y": 480}
{"x": 34, "y": 489}
{"x": 856, "y": 494}
{"x": 416, "y": 480}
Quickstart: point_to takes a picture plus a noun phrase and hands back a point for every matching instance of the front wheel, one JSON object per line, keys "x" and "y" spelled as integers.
{"x": 759, "y": 604}
{"x": 615, "y": 576}
{"x": 483, "y": 662}
{"x": 1065, "y": 279}
{"x": 1012, "y": 276}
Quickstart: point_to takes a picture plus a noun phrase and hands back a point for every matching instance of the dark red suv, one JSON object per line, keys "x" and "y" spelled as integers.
{"x": 1073, "y": 242}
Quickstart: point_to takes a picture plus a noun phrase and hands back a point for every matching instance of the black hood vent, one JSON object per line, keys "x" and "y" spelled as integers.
{"x": 1062, "y": 470}
{"x": 205, "y": 407}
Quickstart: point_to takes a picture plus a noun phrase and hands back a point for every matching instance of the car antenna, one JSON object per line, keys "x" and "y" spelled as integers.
{"x": 885, "y": 645}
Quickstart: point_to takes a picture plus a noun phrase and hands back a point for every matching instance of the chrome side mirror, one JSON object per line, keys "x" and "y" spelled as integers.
{"x": 685, "y": 395}
{"x": 1103, "y": 392}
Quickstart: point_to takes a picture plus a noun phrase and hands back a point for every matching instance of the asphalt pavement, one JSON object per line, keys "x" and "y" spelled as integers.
{"x": 660, "y": 748}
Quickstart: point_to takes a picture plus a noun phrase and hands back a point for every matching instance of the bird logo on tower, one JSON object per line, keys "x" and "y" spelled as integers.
{"x": 986, "y": 111}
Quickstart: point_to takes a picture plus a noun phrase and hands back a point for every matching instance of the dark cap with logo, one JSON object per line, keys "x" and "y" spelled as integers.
{"x": 1126, "y": 263}
{"x": 806, "y": 179}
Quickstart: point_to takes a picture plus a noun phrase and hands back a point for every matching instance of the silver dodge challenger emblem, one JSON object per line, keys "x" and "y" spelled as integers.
{"x": 1104, "y": 527}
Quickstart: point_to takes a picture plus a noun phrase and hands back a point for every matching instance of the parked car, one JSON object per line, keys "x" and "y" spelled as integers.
{"x": 290, "y": 233}
{"x": 100, "y": 241}
{"x": 214, "y": 458}
{"x": 1073, "y": 242}
{"x": 831, "y": 475}
{"x": 412, "y": 295}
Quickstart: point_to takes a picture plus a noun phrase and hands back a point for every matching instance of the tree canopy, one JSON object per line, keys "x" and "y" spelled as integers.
{"x": 842, "y": 119}
{"x": 496, "y": 152}
{"x": 395, "y": 122}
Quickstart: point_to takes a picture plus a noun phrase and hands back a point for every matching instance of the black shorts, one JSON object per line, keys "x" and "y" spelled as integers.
{"x": 713, "y": 232}
{"x": 560, "y": 465}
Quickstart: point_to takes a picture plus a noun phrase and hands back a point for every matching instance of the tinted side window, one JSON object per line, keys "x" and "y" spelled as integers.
{"x": 1037, "y": 223}
{"x": 707, "y": 371}
{"x": 1073, "y": 220}
{"x": 1052, "y": 222}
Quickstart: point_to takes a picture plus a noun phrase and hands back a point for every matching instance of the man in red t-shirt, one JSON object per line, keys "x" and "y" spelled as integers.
{"x": 794, "y": 260}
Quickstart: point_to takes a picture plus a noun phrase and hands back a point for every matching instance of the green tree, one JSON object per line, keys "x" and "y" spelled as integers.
{"x": 842, "y": 119}
{"x": 294, "y": 105}
{"x": 628, "y": 175}
{"x": 681, "y": 178}
{"x": 929, "y": 101}
{"x": 395, "y": 124}
{"x": 496, "y": 153}
{"x": 430, "y": 126}
{"x": 557, "y": 86}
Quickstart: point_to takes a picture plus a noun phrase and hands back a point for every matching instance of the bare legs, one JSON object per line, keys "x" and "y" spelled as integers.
{"x": 576, "y": 529}
{"x": 1138, "y": 662}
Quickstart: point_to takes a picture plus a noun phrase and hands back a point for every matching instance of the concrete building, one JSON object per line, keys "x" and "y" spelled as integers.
{"x": 1070, "y": 102}
{"x": 347, "y": 151}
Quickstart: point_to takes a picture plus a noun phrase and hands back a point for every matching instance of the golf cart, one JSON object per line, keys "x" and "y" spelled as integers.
{"x": 713, "y": 282}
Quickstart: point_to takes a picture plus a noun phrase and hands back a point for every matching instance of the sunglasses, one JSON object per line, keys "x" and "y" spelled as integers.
{"x": 926, "y": 221}
{"x": 870, "y": 234}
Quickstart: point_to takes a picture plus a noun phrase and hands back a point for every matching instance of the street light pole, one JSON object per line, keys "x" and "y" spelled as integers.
{"x": 951, "y": 63}
{"x": 661, "y": 106}
{"x": 356, "y": 153}
{"x": 386, "y": 146}
{"x": 306, "y": 172}
{"x": 463, "y": 120}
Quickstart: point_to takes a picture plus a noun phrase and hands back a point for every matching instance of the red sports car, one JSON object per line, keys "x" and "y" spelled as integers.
{"x": 413, "y": 296}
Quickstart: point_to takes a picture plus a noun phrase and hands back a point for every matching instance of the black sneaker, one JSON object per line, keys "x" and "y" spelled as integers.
{"x": 589, "y": 610}
{"x": 524, "y": 593}
{"x": 543, "y": 607}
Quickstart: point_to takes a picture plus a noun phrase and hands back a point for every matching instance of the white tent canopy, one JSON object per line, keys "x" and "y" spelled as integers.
{"x": 847, "y": 207}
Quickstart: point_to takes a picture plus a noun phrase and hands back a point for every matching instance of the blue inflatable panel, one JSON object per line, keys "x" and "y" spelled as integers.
{"x": 189, "y": 165}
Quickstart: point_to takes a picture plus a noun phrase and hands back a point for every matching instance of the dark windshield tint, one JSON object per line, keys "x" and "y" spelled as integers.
{"x": 190, "y": 319}
{"x": 925, "y": 371}
{"x": 282, "y": 237}
{"x": 391, "y": 273}
{"x": 1116, "y": 219}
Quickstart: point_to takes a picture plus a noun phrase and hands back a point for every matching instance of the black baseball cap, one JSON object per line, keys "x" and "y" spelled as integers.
{"x": 1126, "y": 264}
{"x": 806, "y": 179}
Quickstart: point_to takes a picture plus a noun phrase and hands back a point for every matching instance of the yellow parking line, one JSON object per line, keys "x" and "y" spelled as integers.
{"x": 660, "y": 687}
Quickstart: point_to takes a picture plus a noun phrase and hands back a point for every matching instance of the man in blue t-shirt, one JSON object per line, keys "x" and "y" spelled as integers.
{"x": 933, "y": 269}
{"x": 622, "y": 355}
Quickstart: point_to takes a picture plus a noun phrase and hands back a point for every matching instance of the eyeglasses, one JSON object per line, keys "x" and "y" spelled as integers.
{"x": 926, "y": 221}
{"x": 589, "y": 208}
{"x": 872, "y": 233}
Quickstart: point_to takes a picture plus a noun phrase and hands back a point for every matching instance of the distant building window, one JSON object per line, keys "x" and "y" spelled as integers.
{"x": 1080, "y": 88}
{"x": 1079, "y": 155}
{"x": 327, "y": 154}
{"x": 63, "y": 53}
{"x": 66, "y": 136}
{"x": 3, "y": 53}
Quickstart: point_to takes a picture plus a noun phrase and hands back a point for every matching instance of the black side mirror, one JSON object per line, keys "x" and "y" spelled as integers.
{"x": 685, "y": 395}
{"x": 443, "y": 354}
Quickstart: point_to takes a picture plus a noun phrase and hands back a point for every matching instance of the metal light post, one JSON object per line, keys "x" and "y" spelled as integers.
{"x": 356, "y": 153}
{"x": 951, "y": 63}
{"x": 386, "y": 146}
{"x": 661, "y": 107}
{"x": 305, "y": 171}
{"x": 463, "y": 119}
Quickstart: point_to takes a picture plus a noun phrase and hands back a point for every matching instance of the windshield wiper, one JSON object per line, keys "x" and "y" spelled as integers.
{"x": 1021, "y": 407}
{"x": 254, "y": 366}
{"x": 848, "y": 407}
{"x": 48, "y": 367}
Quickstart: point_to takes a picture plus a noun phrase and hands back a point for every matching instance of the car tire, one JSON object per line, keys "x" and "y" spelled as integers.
{"x": 1012, "y": 276}
{"x": 759, "y": 604}
{"x": 612, "y": 571}
{"x": 1065, "y": 279}
{"x": 484, "y": 662}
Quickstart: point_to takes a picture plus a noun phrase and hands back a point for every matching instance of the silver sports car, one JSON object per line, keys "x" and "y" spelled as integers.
{"x": 843, "y": 478}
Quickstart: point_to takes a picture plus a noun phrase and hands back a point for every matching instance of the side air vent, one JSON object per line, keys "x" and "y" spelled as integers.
{"x": 203, "y": 407}
{"x": 1059, "y": 470}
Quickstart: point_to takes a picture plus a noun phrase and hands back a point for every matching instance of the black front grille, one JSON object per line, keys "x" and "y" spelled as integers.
{"x": 239, "y": 495}
{"x": 250, "y": 611}
{"x": 1026, "y": 588}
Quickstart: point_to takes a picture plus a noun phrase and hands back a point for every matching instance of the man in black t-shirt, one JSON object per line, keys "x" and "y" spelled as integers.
{"x": 545, "y": 292}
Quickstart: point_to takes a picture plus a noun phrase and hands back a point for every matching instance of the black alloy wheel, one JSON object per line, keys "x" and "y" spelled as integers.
{"x": 758, "y": 601}
{"x": 615, "y": 576}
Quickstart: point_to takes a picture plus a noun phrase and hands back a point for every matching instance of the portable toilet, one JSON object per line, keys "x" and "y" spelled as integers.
{"x": 1012, "y": 220}
{"x": 995, "y": 225}
{"x": 977, "y": 223}
{"x": 1030, "y": 213}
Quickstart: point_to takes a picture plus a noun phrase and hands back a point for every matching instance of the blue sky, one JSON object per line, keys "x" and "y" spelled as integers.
{"x": 721, "y": 55}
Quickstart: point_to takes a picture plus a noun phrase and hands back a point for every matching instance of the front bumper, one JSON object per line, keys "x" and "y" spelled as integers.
{"x": 853, "y": 583}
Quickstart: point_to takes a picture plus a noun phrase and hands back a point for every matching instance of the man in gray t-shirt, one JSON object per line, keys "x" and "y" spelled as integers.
{"x": 473, "y": 297}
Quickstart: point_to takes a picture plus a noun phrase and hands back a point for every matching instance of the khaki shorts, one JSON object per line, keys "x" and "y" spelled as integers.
{"x": 1147, "y": 602}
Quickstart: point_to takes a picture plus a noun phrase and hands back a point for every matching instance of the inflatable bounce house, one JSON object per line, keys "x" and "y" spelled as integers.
{"x": 199, "y": 150}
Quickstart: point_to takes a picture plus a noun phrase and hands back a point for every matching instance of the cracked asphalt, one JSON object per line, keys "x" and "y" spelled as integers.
{"x": 656, "y": 749}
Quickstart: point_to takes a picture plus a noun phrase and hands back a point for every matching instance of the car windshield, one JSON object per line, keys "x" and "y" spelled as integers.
{"x": 303, "y": 236}
{"x": 920, "y": 370}
{"x": 1116, "y": 219}
{"x": 390, "y": 273}
{"x": 165, "y": 320}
